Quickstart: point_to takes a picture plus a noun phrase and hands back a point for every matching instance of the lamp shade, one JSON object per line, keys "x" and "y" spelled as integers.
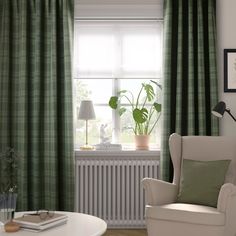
{"x": 219, "y": 109}
{"x": 86, "y": 111}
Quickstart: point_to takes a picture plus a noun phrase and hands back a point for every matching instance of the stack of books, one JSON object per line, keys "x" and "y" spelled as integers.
{"x": 35, "y": 224}
{"x": 108, "y": 146}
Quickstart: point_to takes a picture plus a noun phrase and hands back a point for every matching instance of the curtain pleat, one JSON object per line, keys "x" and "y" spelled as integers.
{"x": 36, "y": 117}
{"x": 190, "y": 79}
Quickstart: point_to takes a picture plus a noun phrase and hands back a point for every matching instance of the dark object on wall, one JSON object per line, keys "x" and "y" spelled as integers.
{"x": 229, "y": 70}
{"x": 220, "y": 109}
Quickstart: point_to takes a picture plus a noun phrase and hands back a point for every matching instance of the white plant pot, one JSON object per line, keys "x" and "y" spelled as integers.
{"x": 142, "y": 142}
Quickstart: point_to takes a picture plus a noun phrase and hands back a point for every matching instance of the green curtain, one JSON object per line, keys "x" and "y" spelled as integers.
{"x": 190, "y": 78}
{"x": 36, "y": 99}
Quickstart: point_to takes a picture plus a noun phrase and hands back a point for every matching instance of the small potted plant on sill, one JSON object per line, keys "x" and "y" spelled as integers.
{"x": 8, "y": 184}
{"x": 144, "y": 110}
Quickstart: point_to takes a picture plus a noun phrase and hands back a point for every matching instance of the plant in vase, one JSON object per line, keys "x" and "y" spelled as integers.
{"x": 8, "y": 184}
{"x": 145, "y": 111}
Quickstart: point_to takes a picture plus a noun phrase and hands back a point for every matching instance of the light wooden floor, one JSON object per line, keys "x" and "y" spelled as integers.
{"x": 126, "y": 232}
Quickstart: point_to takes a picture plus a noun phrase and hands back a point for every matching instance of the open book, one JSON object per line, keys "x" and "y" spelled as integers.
{"x": 35, "y": 223}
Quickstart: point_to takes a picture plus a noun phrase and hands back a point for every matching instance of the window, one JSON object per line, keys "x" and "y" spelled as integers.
{"x": 110, "y": 56}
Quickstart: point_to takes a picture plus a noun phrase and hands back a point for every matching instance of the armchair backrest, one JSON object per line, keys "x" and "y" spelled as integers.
{"x": 203, "y": 148}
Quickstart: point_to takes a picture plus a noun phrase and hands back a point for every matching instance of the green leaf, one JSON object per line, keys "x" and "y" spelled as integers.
{"x": 157, "y": 106}
{"x": 113, "y": 102}
{"x": 140, "y": 115}
{"x": 122, "y": 110}
{"x": 149, "y": 91}
{"x": 122, "y": 91}
{"x": 156, "y": 84}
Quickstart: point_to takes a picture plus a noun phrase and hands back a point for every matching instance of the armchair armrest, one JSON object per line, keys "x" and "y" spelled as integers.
{"x": 227, "y": 205}
{"x": 227, "y": 196}
{"x": 159, "y": 192}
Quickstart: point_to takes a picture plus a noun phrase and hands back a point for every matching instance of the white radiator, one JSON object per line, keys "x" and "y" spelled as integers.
{"x": 111, "y": 189}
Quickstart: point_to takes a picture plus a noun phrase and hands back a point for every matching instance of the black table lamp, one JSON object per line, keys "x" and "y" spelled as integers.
{"x": 220, "y": 109}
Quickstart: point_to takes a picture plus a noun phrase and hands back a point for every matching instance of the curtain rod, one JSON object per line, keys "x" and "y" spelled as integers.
{"x": 117, "y": 19}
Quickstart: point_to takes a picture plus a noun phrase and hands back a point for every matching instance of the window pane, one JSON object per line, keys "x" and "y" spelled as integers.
{"x": 107, "y": 54}
{"x": 94, "y": 50}
{"x": 95, "y": 60}
{"x": 141, "y": 55}
{"x": 127, "y": 134}
{"x": 98, "y": 90}
{"x": 127, "y": 122}
{"x": 109, "y": 49}
{"x": 103, "y": 117}
{"x": 134, "y": 86}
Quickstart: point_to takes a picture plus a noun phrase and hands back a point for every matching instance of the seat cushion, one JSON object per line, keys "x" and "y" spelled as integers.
{"x": 187, "y": 213}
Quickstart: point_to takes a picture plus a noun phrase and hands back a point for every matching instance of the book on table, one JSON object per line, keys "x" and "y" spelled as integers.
{"x": 35, "y": 223}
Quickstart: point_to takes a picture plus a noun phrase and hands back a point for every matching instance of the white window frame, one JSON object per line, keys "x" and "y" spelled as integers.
{"x": 116, "y": 80}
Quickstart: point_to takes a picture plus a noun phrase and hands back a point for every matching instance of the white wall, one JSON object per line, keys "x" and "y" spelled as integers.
{"x": 226, "y": 33}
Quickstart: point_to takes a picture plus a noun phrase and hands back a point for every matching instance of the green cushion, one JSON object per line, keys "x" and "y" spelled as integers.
{"x": 200, "y": 181}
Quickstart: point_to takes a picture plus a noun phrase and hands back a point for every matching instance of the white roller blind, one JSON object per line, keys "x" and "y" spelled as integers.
{"x": 118, "y": 49}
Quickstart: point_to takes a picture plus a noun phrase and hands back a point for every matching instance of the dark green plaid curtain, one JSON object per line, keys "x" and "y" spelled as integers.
{"x": 190, "y": 79}
{"x": 36, "y": 99}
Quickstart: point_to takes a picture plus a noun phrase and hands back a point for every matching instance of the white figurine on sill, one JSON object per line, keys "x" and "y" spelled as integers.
{"x": 103, "y": 137}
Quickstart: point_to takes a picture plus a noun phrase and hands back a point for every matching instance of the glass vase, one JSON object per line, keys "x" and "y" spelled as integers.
{"x": 7, "y": 206}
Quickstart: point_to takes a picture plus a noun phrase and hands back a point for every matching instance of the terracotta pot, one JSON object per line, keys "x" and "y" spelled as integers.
{"x": 142, "y": 142}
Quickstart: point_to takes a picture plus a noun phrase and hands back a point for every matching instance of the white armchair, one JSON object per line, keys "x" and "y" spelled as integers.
{"x": 165, "y": 217}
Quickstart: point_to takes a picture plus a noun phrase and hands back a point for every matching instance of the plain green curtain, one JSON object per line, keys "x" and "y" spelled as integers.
{"x": 36, "y": 99}
{"x": 190, "y": 78}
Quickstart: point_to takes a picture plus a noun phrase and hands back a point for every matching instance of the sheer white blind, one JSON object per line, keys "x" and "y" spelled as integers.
{"x": 118, "y": 49}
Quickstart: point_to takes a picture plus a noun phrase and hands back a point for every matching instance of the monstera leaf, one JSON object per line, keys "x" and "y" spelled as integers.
{"x": 113, "y": 102}
{"x": 140, "y": 115}
{"x": 122, "y": 91}
{"x": 122, "y": 110}
{"x": 158, "y": 85}
{"x": 157, "y": 106}
{"x": 149, "y": 91}
{"x": 142, "y": 107}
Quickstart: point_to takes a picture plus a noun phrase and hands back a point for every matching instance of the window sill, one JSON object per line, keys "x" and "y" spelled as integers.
{"x": 107, "y": 154}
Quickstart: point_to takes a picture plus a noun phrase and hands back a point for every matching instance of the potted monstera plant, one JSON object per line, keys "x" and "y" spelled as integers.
{"x": 145, "y": 111}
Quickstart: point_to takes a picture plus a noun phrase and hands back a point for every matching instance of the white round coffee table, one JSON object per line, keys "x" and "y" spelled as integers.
{"x": 77, "y": 225}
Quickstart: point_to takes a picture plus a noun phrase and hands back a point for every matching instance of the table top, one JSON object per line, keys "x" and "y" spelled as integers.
{"x": 78, "y": 224}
